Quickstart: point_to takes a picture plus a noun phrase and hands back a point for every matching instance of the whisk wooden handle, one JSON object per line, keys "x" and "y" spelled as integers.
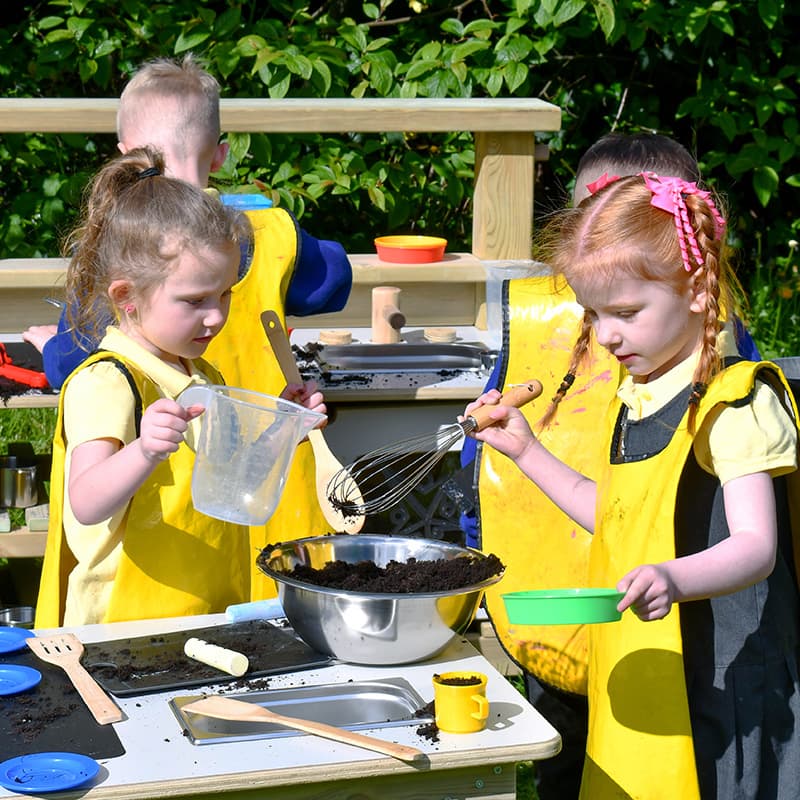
{"x": 516, "y": 396}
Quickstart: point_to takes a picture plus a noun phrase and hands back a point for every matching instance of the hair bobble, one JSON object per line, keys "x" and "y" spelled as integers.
{"x": 566, "y": 383}
{"x": 698, "y": 390}
{"x": 150, "y": 172}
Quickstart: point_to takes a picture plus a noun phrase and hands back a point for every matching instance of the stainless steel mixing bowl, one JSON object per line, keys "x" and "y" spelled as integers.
{"x": 371, "y": 628}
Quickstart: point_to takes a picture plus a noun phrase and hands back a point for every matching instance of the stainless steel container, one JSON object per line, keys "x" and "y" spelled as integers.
{"x": 17, "y": 483}
{"x": 372, "y": 628}
{"x": 17, "y": 616}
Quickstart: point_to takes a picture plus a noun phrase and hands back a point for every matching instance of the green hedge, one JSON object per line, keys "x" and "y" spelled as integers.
{"x": 720, "y": 76}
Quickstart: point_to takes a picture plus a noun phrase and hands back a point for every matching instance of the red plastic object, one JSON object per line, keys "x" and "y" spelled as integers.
{"x": 410, "y": 249}
{"x": 27, "y": 377}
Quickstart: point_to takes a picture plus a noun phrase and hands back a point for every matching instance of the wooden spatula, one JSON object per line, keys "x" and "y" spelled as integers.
{"x": 327, "y": 465}
{"x": 65, "y": 651}
{"x": 240, "y": 711}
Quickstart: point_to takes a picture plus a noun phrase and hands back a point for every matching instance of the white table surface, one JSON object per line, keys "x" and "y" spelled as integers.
{"x": 160, "y": 762}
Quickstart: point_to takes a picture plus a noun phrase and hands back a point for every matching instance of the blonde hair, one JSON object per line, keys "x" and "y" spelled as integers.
{"x": 619, "y": 232}
{"x": 135, "y": 223}
{"x": 186, "y": 83}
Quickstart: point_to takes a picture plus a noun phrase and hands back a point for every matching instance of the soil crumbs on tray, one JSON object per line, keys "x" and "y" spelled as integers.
{"x": 396, "y": 577}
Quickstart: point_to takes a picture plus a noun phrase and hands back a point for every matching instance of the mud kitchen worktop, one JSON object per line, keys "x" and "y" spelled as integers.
{"x": 151, "y": 756}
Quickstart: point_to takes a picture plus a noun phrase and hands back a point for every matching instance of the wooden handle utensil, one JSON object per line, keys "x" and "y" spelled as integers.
{"x": 65, "y": 651}
{"x": 239, "y": 711}
{"x": 326, "y": 463}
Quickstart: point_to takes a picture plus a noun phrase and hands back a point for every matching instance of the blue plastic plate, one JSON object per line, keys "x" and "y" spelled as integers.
{"x": 15, "y": 678}
{"x": 12, "y": 639}
{"x": 47, "y": 772}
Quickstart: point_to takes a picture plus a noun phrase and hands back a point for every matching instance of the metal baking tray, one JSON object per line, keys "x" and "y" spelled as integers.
{"x": 385, "y": 703}
{"x": 403, "y": 357}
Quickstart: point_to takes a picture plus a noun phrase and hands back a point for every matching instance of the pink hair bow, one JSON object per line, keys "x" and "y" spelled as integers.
{"x": 669, "y": 195}
{"x": 595, "y": 186}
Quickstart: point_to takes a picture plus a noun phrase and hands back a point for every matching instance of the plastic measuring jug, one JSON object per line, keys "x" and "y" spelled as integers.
{"x": 244, "y": 450}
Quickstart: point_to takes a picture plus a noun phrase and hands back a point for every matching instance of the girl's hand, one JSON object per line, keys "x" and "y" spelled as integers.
{"x": 649, "y": 591}
{"x": 306, "y": 395}
{"x": 509, "y": 432}
{"x": 163, "y": 425}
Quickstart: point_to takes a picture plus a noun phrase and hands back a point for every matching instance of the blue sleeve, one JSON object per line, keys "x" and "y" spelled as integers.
{"x": 65, "y": 351}
{"x": 468, "y": 520}
{"x": 745, "y": 343}
{"x": 470, "y": 446}
{"x": 322, "y": 278}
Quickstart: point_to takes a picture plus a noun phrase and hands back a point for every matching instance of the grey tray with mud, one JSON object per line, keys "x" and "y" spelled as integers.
{"x": 403, "y": 357}
{"x": 358, "y": 705}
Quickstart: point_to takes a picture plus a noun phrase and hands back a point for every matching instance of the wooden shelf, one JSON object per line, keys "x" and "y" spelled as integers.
{"x": 22, "y": 543}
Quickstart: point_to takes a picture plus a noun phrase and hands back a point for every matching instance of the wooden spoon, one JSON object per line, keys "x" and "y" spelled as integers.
{"x": 65, "y": 651}
{"x": 326, "y": 463}
{"x": 240, "y": 711}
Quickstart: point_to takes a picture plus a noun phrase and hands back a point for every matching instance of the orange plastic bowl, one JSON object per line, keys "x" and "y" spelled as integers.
{"x": 410, "y": 249}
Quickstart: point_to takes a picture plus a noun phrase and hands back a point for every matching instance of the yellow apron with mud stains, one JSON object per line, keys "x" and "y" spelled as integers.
{"x": 541, "y": 547}
{"x": 640, "y": 739}
{"x": 174, "y": 560}
{"x": 242, "y": 353}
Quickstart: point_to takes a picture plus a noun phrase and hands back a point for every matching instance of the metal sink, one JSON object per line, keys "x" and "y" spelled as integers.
{"x": 404, "y": 357}
{"x": 356, "y": 705}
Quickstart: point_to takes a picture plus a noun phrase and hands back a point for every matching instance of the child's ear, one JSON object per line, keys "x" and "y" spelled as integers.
{"x": 220, "y": 154}
{"x": 120, "y": 293}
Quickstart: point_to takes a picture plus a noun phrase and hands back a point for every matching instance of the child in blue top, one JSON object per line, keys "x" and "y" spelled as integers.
{"x": 174, "y": 107}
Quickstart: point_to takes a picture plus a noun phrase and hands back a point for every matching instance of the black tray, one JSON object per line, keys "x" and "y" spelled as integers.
{"x": 157, "y": 663}
{"x": 51, "y": 716}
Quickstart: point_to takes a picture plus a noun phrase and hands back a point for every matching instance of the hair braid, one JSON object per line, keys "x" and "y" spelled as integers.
{"x": 707, "y": 279}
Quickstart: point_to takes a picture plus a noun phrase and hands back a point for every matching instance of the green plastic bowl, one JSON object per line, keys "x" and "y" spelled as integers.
{"x": 563, "y": 606}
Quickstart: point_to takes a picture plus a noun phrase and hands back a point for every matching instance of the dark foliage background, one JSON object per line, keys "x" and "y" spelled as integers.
{"x": 721, "y": 76}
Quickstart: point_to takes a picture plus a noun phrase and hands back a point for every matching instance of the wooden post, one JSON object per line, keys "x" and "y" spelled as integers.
{"x": 387, "y": 319}
{"x": 502, "y": 222}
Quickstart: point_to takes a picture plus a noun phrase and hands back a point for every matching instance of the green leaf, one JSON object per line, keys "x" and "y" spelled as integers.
{"x": 323, "y": 72}
{"x": 514, "y": 75}
{"x": 299, "y": 65}
{"x": 86, "y": 69}
{"x": 770, "y": 12}
{"x": 765, "y": 183}
{"x": 50, "y": 22}
{"x": 78, "y": 26}
{"x": 380, "y": 77}
{"x": 239, "y": 145}
{"x": 50, "y": 186}
{"x": 567, "y": 10}
{"x": 191, "y": 38}
{"x": 371, "y": 11}
{"x": 279, "y": 88}
{"x": 227, "y": 22}
{"x": 763, "y": 108}
{"x": 419, "y": 68}
{"x": 604, "y": 9}
{"x": 453, "y": 26}
{"x": 251, "y": 45}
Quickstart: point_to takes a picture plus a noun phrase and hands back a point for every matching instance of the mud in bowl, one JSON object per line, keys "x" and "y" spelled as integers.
{"x": 244, "y": 450}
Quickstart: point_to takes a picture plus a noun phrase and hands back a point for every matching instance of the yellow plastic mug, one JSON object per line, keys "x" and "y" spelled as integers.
{"x": 460, "y": 701}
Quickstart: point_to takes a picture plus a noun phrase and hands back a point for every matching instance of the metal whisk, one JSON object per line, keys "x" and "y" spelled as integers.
{"x": 378, "y": 480}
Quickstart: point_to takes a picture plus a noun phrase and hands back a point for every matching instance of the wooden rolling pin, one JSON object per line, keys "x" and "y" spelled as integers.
{"x": 218, "y": 657}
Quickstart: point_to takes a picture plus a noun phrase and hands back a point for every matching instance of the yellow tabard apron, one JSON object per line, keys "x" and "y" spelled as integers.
{"x": 640, "y": 741}
{"x": 541, "y": 547}
{"x": 241, "y": 352}
{"x": 175, "y": 561}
